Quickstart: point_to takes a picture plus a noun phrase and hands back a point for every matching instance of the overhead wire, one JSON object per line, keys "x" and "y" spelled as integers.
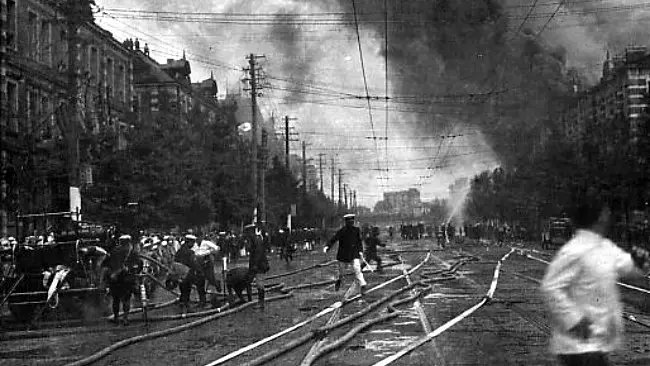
{"x": 550, "y": 18}
{"x": 386, "y": 113}
{"x": 340, "y": 18}
{"x": 365, "y": 79}
{"x": 396, "y": 101}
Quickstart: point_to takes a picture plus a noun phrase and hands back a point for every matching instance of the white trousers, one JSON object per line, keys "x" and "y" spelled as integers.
{"x": 356, "y": 267}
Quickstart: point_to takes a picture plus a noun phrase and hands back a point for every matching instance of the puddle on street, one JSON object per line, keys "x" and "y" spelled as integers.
{"x": 383, "y": 331}
{"x": 400, "y": 267}
{"x": 447, "y": 296}
{"x": 384, "y": 347}
{"x": 405, "y": 323}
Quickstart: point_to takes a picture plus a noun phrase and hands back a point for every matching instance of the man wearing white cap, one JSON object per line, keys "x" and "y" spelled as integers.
{"x": 350, "y": 251}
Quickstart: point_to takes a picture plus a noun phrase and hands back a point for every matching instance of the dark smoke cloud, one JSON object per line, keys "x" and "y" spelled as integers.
{"x": 587, "y": 29}
{"x": 462, "y": 47}
{"x": 435, "y": 47}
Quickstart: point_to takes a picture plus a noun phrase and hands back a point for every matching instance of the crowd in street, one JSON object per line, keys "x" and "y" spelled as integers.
{"x": 585, "y": 328}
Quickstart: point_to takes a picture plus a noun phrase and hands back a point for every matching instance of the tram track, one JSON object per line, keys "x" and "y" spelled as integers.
{"x": 520, "y": 307}
{"x": 73, "y": 327}
{"x": 333, "y": 308}
{"x": 382, "y": 311}
{"x": 145, "y": 337}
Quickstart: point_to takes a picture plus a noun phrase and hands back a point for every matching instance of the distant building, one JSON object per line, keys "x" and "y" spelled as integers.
{"x": 402, "y": 202}
{"x": 166, "y": 89}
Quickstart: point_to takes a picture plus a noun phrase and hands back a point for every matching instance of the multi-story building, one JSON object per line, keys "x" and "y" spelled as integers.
{"x": 611, "y": 112}
{"x": 170, "y": 84}
{"x": 402, "y": 202}
{"x": 34, "y": 97}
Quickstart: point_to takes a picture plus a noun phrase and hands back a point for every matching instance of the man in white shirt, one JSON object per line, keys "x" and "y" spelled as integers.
{"x": 581, "y": 291}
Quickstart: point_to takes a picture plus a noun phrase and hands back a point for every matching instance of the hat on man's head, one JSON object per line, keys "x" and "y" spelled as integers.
{"x": 349, "y": 216}
{"x": 190, "y": 237}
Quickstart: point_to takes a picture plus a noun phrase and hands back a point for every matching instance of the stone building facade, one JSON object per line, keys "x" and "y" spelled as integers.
{"x": 34, "y": 98}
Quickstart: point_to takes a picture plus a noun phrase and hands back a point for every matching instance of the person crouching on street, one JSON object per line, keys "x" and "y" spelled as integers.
{"x": 258, "y": 263}
{"x": 349, "y": 252}
{"x": 371, "y": 249}
{"x": 581, "y": 291}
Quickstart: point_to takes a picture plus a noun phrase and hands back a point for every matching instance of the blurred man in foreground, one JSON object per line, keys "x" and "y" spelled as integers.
{"x": 581, "y": 291}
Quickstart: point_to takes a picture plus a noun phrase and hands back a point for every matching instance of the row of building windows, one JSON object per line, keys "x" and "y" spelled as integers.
{"x": 38, "y": 117}
{"x": 44, "y": 41}
{"x": 114, "y": 75}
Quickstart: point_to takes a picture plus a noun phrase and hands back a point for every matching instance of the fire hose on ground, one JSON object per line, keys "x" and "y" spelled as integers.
{"x": 129, "y": 341}
{"x": 392, "y": 313}
{"x": 321, "y": 332}
{"x": 488, "y": 297}
{"x": 424, "y": 321}
{"x": 309, "y": 358}
{"x": 332, "y": 308}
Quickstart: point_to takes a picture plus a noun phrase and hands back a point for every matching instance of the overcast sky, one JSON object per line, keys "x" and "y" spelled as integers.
{"x": 315, "y": 75}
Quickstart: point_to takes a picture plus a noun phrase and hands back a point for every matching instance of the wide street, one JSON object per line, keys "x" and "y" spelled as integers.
{"x": 511, "y": 329}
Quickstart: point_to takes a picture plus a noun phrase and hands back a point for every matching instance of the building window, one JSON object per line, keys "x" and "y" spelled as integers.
{"x": 94, "y": 63}
{"x": 33, "y": 110}
{"x": 45, "y": 43}
{"x": 32, "y": 36}
{"x": 11, "y": 24}
{"x": 109, "y": 77}
{"x": 119, "y": 83}
{"x": 60, "y": 58}
{"x": 153, "y": 101}
{"x": 47, "y": 123}
{"x": 12, "y": 101}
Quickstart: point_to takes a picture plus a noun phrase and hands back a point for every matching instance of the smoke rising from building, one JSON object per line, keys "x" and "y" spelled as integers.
{"x": 457, "y": 69}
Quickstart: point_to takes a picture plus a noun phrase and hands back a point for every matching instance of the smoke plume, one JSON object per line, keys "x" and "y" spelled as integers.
{"x": 470, "y": 84}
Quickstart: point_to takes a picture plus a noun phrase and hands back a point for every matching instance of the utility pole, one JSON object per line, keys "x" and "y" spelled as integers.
{"x": 320, "y": 166}
{"x": 340, "y": 188}
{"x": 355, "y": 200}
{"x": 263, "y": 165}
{"x": 304, "y": 168}
{"x": 345, "y": 195}
{"x": 73, "y": 131}
{"x": 253, "y": 75}
{"x": 6, "y": 108}
{"x": 332, "y": 181}
{"x": 75, "y": 17}
{"x": 350, "y": 199}
{"x": 286, "y": 142}
{"x": 287, "y": 139}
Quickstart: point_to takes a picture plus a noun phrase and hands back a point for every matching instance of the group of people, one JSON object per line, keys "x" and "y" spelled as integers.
{"x": 580, "y": 284}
